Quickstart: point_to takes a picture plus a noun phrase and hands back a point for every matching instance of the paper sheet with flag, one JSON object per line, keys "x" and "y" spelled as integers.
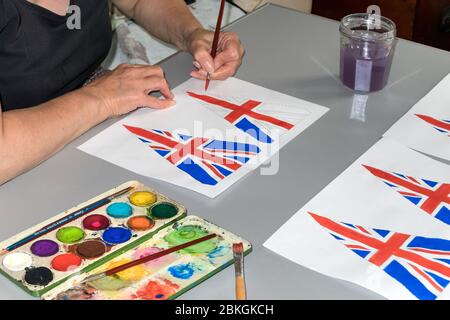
{"x": 265, "y": 115}
{"x": 426, "y": 127}
{"x": 209, "y": 140}
{"x": 384, "y": 224}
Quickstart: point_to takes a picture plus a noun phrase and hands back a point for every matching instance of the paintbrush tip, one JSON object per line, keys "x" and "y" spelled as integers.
{"x": 3, "y": 251}
{"x": 238, "y": 247}
{"x": 93, "y": 277}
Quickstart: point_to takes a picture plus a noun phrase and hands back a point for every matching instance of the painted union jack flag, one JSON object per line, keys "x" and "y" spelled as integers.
{"x": 442, "y": 126}
{"x": 420, "y": 264}
{"x": 431, "y": 196}
{"x": 241, "y": 115}
{"x": 206, "y": 160}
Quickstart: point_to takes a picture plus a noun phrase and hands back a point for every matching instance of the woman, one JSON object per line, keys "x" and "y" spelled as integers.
{"x": 44, "y": 63}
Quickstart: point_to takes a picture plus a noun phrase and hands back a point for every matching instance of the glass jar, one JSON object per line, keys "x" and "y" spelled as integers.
{"x": 367, "y": 49}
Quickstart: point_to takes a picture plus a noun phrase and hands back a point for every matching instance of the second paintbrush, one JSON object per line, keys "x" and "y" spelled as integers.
{"x": 238, "y": 253}
{"x": 216, "y": 39}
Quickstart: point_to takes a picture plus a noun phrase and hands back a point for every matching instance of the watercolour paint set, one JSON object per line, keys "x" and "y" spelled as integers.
{"x": 164, "y": 278}
{"x": 124, "y": 224}
{"x": 88, "y": 235}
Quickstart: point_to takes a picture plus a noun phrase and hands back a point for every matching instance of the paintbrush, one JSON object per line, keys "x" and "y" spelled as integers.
{"x": 238, "y": 253}
{"x": 145, "y": 259}
{"x": 64, "y": 220}
{"x": 215, "y": 39}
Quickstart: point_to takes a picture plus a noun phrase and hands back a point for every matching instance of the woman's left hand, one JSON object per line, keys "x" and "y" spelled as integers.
{"x": 228, "y": 57}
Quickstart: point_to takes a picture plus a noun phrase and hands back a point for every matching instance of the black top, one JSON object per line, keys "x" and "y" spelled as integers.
{"x": 41, "y": 58}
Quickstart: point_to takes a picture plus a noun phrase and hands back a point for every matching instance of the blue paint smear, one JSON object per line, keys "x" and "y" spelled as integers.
{"x": 446, "y": 261}
{"x": 196, "y": 172}
{"x": 217, "y": 252}
{"x": 430, "y": 183}
{"x": 390, "y": 184}
{"x": 414, "y": 200}
{"x": 184, "y": 137}
{"x": 232, "y": 145}
{"x": 162, "y": 153}
{"x": 222, "y": 170}
{"x": 382, "y": 232}
{"x": 182, "y": 271}
{"x": 350, "y": 225}
{"x": 238, "y": 158}
{"x": 444, "y": 215}
{"x": 402, "y": 275}
{"x": 361, "y": 253}
{"x": 336, "y": 237}
{"x": 400, "y": 175}
{"x": 430, "y": 243}
{"x": 253, "y": 130}
{"x": 442, "y": 281}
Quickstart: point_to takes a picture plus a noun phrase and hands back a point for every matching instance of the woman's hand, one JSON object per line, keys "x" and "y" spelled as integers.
{"x": 228, "y": 58}
{"x": 128, "y": 87}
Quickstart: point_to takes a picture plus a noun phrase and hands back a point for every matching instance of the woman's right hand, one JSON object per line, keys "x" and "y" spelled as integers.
{"x": 128, "y": 87}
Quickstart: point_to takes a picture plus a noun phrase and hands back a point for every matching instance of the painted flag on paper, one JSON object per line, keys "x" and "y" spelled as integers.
{"x": 206, "y": 160}
{"x": 431, "y": 196}
{"x": 426, "y": 126}
{"x": 246, "y": 118}
{"x": 420, "y": 264}
{"x": 443, "y": 126}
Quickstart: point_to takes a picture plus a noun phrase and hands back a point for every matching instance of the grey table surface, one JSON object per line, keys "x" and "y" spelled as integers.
{"x": 287, "y": 51}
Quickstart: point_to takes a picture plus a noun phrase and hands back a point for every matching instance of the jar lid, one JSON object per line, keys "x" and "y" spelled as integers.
{"x": 368, "y": 27}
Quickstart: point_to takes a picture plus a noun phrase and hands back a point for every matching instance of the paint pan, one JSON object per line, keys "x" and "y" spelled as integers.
{"x": 143, "y": 198}
{"x": 89, "y": 241}
{"x": 96, "y": 222}
{"x": 17, "y": 261}
{"x": 44, "y": 248}
{"x": 91, "y": 249}
{"x": 167, "y": 277}
{"x": 163, "y": 210}
{"x": 119, "y": 210}
{"x": 116, "y": 235}
{"x": 140, "y": 223}
{"x": 66, "y": 261}
{"x": 188, "y": 233}
{"x": 39, "y": 276}
{"x": 70, "y": 234}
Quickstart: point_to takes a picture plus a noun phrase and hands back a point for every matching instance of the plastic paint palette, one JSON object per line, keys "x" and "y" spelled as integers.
{"x": 167, "y": 277}
{"x": 89, "y": 241}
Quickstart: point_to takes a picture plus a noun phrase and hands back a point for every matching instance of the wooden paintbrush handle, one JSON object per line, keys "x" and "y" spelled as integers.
{"x": 241, "y": 292}
{"x": 217, "y": 30}
{"x": 158, "y": 255}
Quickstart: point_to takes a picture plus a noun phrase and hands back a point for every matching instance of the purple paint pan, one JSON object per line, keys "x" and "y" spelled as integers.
{"x": 44, "y": 248}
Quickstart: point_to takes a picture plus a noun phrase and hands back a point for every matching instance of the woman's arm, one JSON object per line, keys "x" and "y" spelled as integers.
{"x": 173, "y": 22}
{"x": 169, "y": 20}
{"x": 29, "y": 136}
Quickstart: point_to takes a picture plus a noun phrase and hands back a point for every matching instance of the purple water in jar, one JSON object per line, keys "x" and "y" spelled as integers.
{"x": 367, "y": 50}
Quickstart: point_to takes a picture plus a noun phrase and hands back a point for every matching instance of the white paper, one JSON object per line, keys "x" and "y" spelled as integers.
{"x": 197, "y": 118}
{"x": 361, "y": 198}
{"x": 426, "y": 127}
